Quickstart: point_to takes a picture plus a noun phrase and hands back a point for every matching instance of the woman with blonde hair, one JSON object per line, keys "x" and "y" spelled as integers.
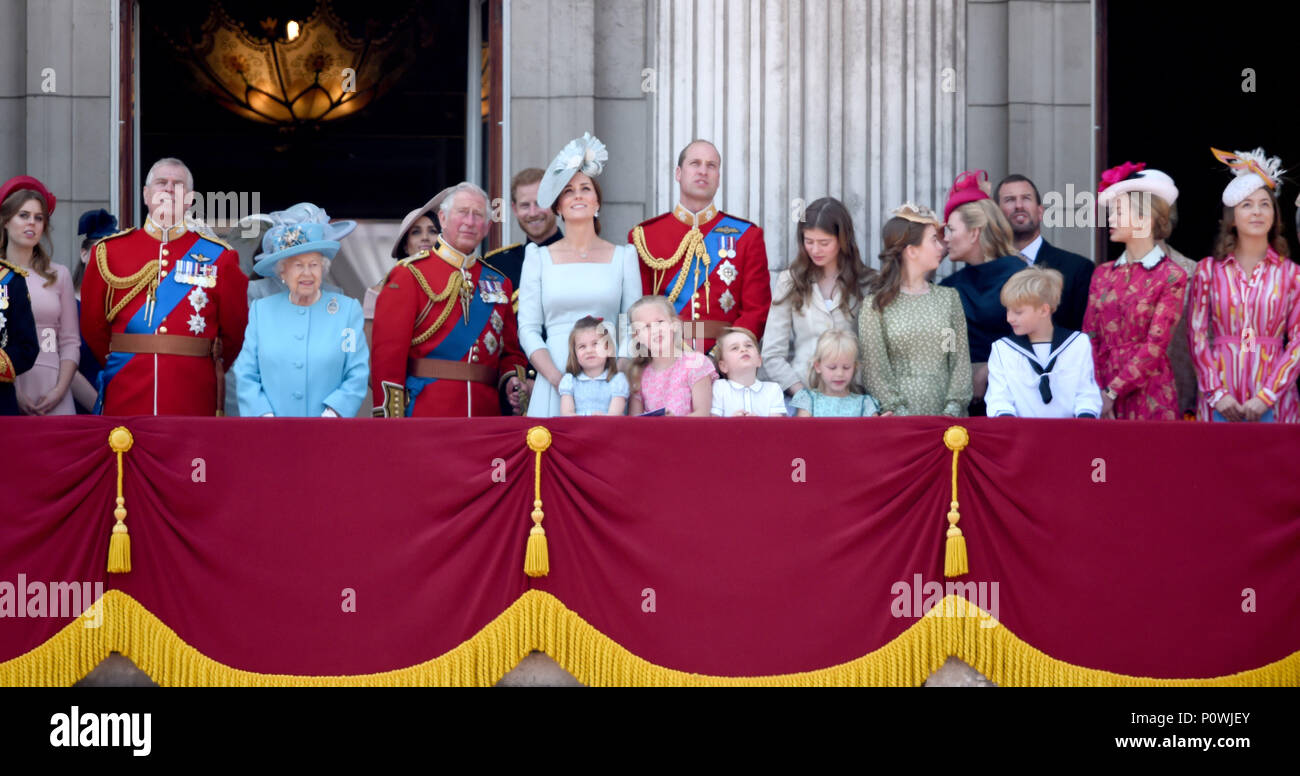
{"x": 980, "y": 237}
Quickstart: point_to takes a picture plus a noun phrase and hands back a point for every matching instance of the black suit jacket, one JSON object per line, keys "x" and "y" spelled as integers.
{"x": 1078, "y": 278}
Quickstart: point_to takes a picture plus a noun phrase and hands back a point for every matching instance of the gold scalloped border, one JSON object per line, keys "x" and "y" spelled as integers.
{"x": 540, "y": 621}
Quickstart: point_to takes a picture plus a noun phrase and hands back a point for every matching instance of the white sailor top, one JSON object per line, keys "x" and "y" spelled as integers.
{"x": 1045, "y": 379}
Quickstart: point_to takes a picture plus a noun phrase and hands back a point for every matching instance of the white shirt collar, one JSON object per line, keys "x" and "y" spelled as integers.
{"x": 1148, "y": 261}
{"x": 756, "y": 387}
{"x": 1030, "y": 251}
{"x": 584, "y": 376}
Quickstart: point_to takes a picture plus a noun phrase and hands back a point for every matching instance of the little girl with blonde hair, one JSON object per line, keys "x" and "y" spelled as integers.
{"x": 831, "y": 393}
{"x": 665, "y": 373}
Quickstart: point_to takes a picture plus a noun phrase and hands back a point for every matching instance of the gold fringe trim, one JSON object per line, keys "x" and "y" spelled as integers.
{"x": 539, "y": 621}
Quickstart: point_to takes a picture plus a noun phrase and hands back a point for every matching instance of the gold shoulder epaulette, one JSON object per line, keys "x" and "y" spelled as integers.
{"x": 494, "y": 269}
{"x": 502, "y": 249}
{"x": 217, "y": 240}
{"x": 21, "y": 272}
{"x": 406, "y": 262}
{"x": 127, "y": 230}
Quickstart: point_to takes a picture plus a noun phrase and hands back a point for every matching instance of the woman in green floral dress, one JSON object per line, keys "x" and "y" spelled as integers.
{"x": 912, "y": 332}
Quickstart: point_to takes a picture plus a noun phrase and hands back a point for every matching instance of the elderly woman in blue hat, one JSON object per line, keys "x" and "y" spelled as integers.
{"x": 305, "y": 352}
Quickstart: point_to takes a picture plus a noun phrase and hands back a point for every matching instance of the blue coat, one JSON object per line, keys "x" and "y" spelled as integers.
{"x": 298, "y": 360}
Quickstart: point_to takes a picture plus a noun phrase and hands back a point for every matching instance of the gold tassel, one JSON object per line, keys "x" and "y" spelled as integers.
{"x": 537, "y": 561}
{"x": 954, "y": 556}
{"x": 119, "y": 544}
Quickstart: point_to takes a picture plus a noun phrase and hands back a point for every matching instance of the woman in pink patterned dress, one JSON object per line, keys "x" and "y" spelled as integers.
{"x": 1135, "y": 301}
{"x": 1245, "y": 327}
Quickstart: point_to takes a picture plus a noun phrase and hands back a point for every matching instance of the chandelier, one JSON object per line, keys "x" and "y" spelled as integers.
{"x": 300, "y": 72}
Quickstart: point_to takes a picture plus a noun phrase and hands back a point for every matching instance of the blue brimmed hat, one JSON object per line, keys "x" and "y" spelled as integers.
{"x": 303, "y": 228}
{"x": 586, "y": 154}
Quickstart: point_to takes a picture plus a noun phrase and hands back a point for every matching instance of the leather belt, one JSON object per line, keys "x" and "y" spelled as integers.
{"x": 162, "y": 344}
{"x": 442, "y": 369}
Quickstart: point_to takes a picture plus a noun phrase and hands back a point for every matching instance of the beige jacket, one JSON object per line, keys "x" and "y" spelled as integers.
{"x": 790, "y": 338}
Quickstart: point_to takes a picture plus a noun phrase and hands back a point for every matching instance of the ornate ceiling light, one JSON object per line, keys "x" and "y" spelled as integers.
{"x": 299, "y": 72}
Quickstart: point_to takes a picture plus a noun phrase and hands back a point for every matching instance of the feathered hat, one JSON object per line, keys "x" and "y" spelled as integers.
{"x": 584, "y": 154}
{"x": 1253, "y": 170}
{"x": 1135, "y": 177}
{"x": 303, "y": 228}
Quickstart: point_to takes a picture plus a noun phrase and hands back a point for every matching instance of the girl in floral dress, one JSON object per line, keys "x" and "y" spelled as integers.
{"x": 1135, "y": 301}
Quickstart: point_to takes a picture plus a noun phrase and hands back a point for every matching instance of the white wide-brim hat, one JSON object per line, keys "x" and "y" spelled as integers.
{"x": 1148, "y": 180}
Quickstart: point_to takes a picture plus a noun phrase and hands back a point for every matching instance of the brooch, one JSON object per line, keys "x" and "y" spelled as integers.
{"x": 333, "y": 305}
{"x": 727, "y": 301}
{"x": 727, "y": 271}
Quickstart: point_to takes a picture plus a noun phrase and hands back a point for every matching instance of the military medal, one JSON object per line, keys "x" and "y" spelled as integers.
{"x": 333, "y": 305}
{"x": 4, "y": 297}
{"x": 197, "y": 324}
{"x": 497, "y": 323}
{"x": 490, "y": 342}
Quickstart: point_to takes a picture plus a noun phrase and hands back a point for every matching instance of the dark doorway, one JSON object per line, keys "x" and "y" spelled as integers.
{"x": 378, "y": 162}
{"x": 1174, "y": 86}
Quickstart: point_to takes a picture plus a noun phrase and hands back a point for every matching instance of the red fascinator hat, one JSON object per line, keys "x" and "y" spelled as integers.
{"x": 20, "y": 182}
{"x": 969, "y": 187}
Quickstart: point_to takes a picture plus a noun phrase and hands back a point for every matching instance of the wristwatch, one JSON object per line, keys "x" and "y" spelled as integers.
{"x": 1110, "y": 393}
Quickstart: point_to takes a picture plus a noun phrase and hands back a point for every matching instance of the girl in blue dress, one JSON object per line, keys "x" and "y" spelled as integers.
{"x": 831, "y": 393}
{"x": 592, "y": 384}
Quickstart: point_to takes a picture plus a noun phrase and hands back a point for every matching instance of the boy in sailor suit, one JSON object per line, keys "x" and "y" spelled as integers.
{"x": 1041, "y": 371}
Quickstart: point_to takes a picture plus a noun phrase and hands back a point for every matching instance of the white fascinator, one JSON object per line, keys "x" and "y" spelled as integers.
{"x": 585, "y": 154}
{"x": 1253, "y": 170}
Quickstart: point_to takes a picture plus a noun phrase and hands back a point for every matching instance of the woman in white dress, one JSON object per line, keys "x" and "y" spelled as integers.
{"x": 574, "y": 277}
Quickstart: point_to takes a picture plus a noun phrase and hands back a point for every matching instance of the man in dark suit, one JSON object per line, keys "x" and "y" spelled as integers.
{"x": 1018, "y": 197}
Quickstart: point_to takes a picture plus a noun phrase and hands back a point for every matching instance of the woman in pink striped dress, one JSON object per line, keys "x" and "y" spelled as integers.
{"x": 1245, "y": 327}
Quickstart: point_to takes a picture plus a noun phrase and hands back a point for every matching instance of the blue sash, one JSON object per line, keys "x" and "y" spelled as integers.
{"x": 728, "y": 227}
{"x": 170, "y": 293}
{"x": 455, "y": 346}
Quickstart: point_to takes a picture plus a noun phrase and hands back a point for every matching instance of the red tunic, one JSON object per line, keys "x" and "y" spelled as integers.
{"x": 404, "y": 311}
{"x": 151, "y": 384}
{"x": 742, "y": 302}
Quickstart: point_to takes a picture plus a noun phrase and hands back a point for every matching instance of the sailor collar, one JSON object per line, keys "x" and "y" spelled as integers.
{"x": 696, "y": 220}
{"x": 1061, "y": 339}
{"x": 161, "y": 233}
{"x": 1148, "y": 261}
{"x": 452, "y": 256}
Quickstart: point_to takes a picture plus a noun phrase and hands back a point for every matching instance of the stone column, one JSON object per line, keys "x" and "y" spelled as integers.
{"x": 854, "y": 99}
{"x": 58, "y": 55}
{"x": 1030, "y": 101}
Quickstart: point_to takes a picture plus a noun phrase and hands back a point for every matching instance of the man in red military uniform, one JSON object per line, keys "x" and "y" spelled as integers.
{"x": 712, "y": 266}
{"x": 445, "y": 341}
{"x": 164, "y": 308}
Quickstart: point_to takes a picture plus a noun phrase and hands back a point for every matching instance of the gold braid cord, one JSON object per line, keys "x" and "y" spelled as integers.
{"x": 137, "y": 282}
{"x": 691, "y": 247}
{"x": 449, "y": 294}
